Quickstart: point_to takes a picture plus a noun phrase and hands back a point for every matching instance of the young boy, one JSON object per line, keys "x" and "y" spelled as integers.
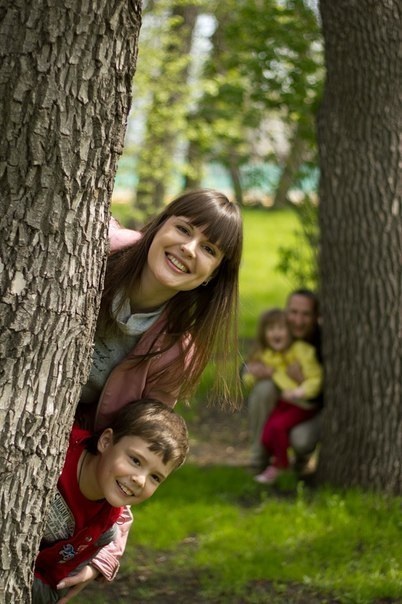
{"x": 121, "y": 466}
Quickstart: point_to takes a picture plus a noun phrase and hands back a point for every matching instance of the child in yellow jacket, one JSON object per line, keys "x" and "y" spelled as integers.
{"x": 277, "y": 352}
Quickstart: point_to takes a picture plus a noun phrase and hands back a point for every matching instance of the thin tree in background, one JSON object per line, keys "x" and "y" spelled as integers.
{"x": 168, "y": 88}
{"x": 65, "y": 75}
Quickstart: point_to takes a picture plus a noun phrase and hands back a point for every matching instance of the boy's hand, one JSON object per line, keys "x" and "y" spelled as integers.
{"x": 77, "y": 582}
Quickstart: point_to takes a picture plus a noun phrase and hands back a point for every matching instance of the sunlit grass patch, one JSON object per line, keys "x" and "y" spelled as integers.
{"x": 348, "y": 543}
{"x": 261, "y": 284}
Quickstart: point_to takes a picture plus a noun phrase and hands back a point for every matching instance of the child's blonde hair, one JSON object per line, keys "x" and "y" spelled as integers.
{"x": 270, "y": 317}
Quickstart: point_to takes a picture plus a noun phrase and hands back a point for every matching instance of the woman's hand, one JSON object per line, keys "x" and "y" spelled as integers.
{"x": 77, "y": 582}
{"x": 119, "y": 237}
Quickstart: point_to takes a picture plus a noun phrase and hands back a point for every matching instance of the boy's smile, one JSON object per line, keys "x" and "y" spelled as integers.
{"x": 123, "y": 473}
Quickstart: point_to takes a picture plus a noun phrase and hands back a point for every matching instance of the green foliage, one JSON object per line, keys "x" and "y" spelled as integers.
{"x": 266, "y": 60}
{"x": 162, "y": 93}
{"x": 191, "y": 107}
{"x": 299, "y": 260}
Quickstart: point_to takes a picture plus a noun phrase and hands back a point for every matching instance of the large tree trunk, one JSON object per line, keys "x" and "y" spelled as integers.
{"x": 359, "y": 142}
{"x": 65, "y": 76}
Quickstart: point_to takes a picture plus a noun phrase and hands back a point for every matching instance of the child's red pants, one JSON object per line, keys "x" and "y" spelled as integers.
{"x": 275, "y": 434}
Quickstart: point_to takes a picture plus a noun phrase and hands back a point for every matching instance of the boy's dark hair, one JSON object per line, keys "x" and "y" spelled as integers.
{"x": 164, "y": 430}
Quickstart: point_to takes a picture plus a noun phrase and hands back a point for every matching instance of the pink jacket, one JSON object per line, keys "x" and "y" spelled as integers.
{"x": 128, "y": 382}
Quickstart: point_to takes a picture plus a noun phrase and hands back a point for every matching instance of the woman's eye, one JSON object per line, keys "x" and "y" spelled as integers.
{"x": 183, "y": 229}
{"x": 156, "y": 478}
{"x": 136, "y": 461}
{"x": 210, "y": 250}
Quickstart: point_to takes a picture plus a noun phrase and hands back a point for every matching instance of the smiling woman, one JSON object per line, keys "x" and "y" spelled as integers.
{"x": 170, "y": 300}
{"x": 169, "y": 303}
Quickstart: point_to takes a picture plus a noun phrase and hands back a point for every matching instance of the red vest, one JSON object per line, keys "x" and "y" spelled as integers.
{"x": 91, "y": 518}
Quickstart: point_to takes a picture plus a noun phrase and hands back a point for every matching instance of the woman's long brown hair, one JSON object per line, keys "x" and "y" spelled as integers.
{"x": 208, "y": 313}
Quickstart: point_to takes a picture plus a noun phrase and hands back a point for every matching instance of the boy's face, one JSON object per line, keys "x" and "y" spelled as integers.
{"x": 278, "y": 336}
{"x": 128, "y": 472}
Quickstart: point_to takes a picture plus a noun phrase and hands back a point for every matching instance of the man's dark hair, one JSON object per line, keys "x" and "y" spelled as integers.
{"x": 307, "y": 293}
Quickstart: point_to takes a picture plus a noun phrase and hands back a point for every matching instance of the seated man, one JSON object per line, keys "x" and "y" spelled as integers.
{"x": 302, "y": 314}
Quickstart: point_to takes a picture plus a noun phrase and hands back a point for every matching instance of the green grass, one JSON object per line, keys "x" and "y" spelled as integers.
{"x": 261, "y": 284}
{"x": 234, "y": 533}
{"x": 349, "y": 544}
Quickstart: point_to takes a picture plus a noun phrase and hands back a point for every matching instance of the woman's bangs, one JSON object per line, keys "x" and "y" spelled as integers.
{"x": 213, "y": 213}
{"x": 224, "y": 233}
{"x": 221, "y": 229}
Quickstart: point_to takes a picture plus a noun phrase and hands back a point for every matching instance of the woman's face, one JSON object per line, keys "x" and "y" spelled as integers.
{"x": 181, "y": 257}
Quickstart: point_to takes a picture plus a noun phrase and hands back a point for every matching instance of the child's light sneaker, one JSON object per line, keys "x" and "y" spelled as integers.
{"x": 269, "y": 475}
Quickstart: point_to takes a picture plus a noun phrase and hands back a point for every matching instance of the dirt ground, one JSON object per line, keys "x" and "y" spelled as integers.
{"x": 217, "y": 438}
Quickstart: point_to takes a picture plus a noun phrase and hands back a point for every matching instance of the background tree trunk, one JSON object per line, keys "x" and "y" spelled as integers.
{"x": 294, "y": 160}
{"x": 166, "y": 116}
{"x": 65, "y": 81}
{"x": 359, "y": 142}
{"x": 235, "y": 177}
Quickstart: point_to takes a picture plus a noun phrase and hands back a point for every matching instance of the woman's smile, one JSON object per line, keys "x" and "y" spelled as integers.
{"x": 177, "y": 263}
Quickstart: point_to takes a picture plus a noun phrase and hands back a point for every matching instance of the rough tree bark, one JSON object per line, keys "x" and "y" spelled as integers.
{"x": 359, "y": 130}
{"x": 65, "y": 82}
